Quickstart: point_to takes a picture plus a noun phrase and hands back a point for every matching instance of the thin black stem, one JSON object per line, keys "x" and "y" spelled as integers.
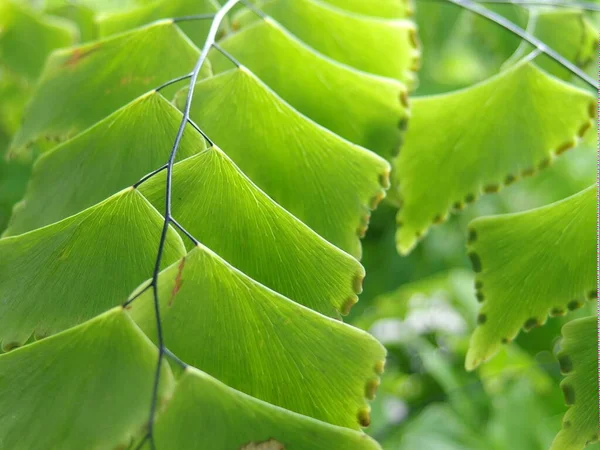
{"x": 254, "y": 9}
{"x": 585, "y": 6}
{"x": 212, "y": 33}
{"x": 194, "y": 17}
{"x": 227, "y": 55}
{"x": 184, "y": 231}
{"x": 150, "y": 175}
{"x": 502, "y": 21}
{"x": 199, "y": 130}
{"x": 175, "y": 358}
{"x": 142, "y": 442}
{"x": 137, "y": 295}
{"x": 173, "y": 81}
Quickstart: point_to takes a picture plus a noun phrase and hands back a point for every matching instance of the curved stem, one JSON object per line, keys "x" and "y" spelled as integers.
{"x": 504, "y": 22}
{"x": 168, "y": 219}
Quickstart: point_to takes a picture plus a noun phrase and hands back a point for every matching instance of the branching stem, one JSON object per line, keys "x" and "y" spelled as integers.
{"x": 515, "y": 29}
{"x": 585, "y": 6}
{"x": 168, "y": 219}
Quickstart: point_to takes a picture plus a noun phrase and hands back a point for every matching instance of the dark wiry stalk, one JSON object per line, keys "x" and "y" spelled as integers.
{"x": 585, "y": 6}
{"x": 168, "y": 219}
{"x": 504, "y": 22}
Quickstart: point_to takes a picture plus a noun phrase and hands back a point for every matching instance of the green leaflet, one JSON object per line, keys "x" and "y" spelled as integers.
{"x": 27, "y": 37}
{"x": 197, "y": 30}
{"x": 579, "y": 361}
{"x": 531, "y": 264}
{"x": 82, "y": 16}
{"x": 274, "y": 340}
{"x": 82, "y": 85}
{"x": 206, "y": 414}
{"x": 568, "y": 32}
{"x": 98, "y": 6}
{"x": 379, "y": 8}
{"x": 61, "y": 275}
{"x": 368, "y": 110}
{"x": 328, "y": 183}
{"x": 348, "y": 38}
{"x": 86, "y": 388}
{"x": 225, "y": 211}
{"x": 113, "y": 154}
{"x": 458, "y": 147}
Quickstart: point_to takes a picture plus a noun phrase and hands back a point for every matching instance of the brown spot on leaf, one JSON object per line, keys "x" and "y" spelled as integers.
{"x": 565, "y": 146}
{"x": 475, "y": 261}
{"x": 573, "y": 305}
{"x": 371, "y": 388}
{"x": 404, "y": 98}
{"x": 584, "y": 128}
{"x": 357, "y": 283}
{"x": 491, "y": 188}
{"x": 565, "y": 363}
{"x": 347, "y": 306}
{"x": 78, "y": 54}
{"x": 178, "y": 281}
{"x": 531, "y": 323}
{"x": 380, "y": 367}
{"x": 384, "y": 179}
{"x": 364, "y": 417}
{"x": 569, "y": 393}
{"x": 271, "y": 444}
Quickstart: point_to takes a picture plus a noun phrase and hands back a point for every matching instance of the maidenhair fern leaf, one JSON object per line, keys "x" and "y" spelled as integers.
{"x": 82, "y": 16}
{"x": 162, "y": 9}
{"x": 98, "y": 6}
{"x": 225, "y": 211}
{"x": 85, "y": 388}
{"x": 206, "y": 414}
{"x": 529, "y": 265}
{"x": 568, "y": 32}
{"x": 579, "y": 361}
{"x": 473, "y": 141}
{"x": 348, "y": 38}
{"x": 368, "y": 110}
{"x": 378, "y": 8}
{"x": 328, "y": 183}
{"x": 108, "y": 157}
{"x": 58, "y": 276}
{"x": 82, "y": 85}
{"x": 204, "y": 299}
{"x": 26, "y": 38}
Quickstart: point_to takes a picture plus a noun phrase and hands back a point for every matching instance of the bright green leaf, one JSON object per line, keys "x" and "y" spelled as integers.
{"x": 473, "y": 141}
{"x": 61, "y": 275}
{"x": 325, "y": 181}
{"x": 111, "y": 155}
{"x": 368, "y": 110}
{"x": 205, "y": 300}
{"x": 579, "y": 361}
{"x": 378, "y": 8}
{"x": 568, "y": 32}
{"x": 86, "y": 388}
{"x": 83, "y": 16}
{"x": 529, "y": 265}
{"x": 348, "y": 38}
{"x": 206, "y": 414}
{"x": 125, "y": 20}
{"x": 225, "y": 211}
{"x": 82, "y": 85}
